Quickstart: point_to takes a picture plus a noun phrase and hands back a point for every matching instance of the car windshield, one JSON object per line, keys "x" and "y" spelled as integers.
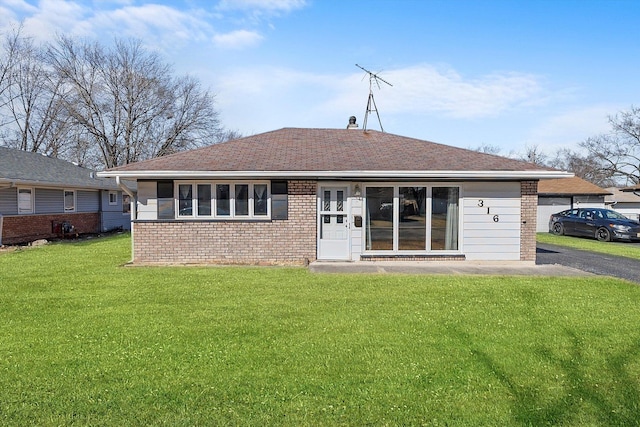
{"x": 614, "y": 215}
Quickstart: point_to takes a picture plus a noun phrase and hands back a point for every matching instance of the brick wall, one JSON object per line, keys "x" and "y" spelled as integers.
{"x": 291, "y": 241}
{"x": 27, "y": 228}
{"x": 529, "y": 215}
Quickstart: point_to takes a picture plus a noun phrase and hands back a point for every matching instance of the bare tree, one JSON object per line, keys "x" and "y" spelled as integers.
{"x": 228, "y": 135}
{"x": 533, "y": 154}
{"x": 488, "y": 149}
{"x": 33, "y": 105}
{"x": 128, "y": 103}
{"x": 618, "y": 152}
{"x": 8, "y": 55}
{"x": 587, "y": 167}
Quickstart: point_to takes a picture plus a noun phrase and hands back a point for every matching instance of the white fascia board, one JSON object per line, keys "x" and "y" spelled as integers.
{"x": 475, "y": 175}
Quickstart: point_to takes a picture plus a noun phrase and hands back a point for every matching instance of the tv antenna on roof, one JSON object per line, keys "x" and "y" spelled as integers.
{"x": 371, "y": 103}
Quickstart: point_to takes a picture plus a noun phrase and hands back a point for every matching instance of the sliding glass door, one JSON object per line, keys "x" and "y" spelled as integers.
{"x": 412, "y": 218}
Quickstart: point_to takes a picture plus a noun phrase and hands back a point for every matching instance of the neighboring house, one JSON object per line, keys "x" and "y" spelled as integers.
{"x": 627, "y": 202}
{"x": 556, "y": 195}
{"x": 43, "y": 197}
{"x": 292, "y": 196}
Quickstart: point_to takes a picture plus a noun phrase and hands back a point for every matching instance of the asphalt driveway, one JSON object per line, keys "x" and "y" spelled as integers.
{"x": 600, "y": 264}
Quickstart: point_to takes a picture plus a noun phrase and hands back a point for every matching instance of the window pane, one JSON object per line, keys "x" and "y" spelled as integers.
{"x": 260, "y": 199}
{"x": 165, "y": 200}
{"x": 204, "y": 199}
{"x": 24, "y": 200}
{"x": 223, "y": 200}
{"x": 379, "y": 218}
{"x": 69, "y": 201}
{"x": 326, "y": 200}
{"x": 340, "y": 200}
{"x": 126, "y": 204}
{"x": 444, "y": 218}
{"x": 412, "y": 230}
{"x": 242, "y": 199}
{"x": 279, "y": 200}
{"x": 185, "y": 200}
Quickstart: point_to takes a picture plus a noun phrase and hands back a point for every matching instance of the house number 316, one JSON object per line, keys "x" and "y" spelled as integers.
{"x": 496, "y": 218}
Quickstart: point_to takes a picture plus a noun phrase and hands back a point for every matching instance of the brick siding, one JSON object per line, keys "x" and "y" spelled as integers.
{"x": 27, "y": 228}
{"x": 291, "y": 241}
{"x": 529, "y": 215}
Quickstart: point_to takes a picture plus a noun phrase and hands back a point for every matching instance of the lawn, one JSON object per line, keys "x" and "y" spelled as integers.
{"x": 625, "y": 249}
{"x": 86, "y": 341}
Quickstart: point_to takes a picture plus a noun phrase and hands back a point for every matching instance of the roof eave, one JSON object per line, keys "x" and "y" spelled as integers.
{"x": 390, "y": 174}
{"x": 9, "y": 183}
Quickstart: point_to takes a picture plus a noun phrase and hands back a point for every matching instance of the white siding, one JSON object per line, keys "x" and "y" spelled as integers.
{"x": 147, "y": 203}
{"x": 548, "y": 206}
{"x": 630, "y": 210}
{"x": 491, "y": 221}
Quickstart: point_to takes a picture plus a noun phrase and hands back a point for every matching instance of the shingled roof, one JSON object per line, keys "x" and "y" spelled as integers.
{"x": 343, "y": 153}
{"x": 27, "y": 168}
{"x": 570, "y": 187}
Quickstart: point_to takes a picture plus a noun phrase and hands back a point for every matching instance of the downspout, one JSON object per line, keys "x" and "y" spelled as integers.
{"x": 133, "y": 204}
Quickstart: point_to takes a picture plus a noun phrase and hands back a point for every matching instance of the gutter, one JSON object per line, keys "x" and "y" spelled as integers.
{"x": 352, "y": 174}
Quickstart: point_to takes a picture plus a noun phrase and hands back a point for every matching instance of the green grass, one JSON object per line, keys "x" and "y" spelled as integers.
{"x": 84, "y": 341}
{"x": 624, "y": 249}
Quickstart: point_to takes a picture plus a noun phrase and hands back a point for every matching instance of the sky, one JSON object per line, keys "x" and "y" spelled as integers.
{"x": 510, "y": 74}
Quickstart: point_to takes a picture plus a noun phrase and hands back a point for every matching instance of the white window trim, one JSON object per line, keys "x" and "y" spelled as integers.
{"x": 115, "y": 201}
{"x": 64, "y": 198}
{"x": 396, "y": 214}
{"x": 31, "y": 200}
{"x": 214, "y": 202}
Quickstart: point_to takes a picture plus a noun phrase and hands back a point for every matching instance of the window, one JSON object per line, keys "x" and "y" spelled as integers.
{"x": 113, "y": 198}
{"x": 260, "y": 201}
{"x": 444, "y": 218}
{"x": 165, "y": 200}
{"x": 185, "y": 200}
{"x": 204, "y": 199}
{"x": 126, "y": 204}
{"x": 412, "y": 232}
{"x": 242, "y": 200}
{"x": 69, "y": 201}
{"x": 25, "y": 200}
{"x": 379, "y": 218}
{"x": 222, "y": 200}
{"x": 412, "y": 218}
{"x": 279, "y": 200}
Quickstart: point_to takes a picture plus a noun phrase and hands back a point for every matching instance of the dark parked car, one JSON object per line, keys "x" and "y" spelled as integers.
{"x": 602, "y": 224}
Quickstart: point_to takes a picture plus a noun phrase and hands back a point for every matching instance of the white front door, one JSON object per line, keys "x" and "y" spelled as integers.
{"x": 333, "y": 227}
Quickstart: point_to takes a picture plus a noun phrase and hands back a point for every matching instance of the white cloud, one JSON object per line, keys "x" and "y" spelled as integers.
{"x": 287, "y": 97}
{"x": 264, "y": 5}
{"x": 443, "y": 91}
{"x": 571, "y": 127}
{"x": 237, "y": 39}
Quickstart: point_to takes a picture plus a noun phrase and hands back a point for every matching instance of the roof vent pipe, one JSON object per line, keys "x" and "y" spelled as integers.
{"x": 352, "y": 123}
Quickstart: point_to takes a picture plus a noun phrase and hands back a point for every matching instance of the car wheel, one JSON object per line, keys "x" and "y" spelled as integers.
{"x": 557, "y": 229}
{"x": 603, "y": 234}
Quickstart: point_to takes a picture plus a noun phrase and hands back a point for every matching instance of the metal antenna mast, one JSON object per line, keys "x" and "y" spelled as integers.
{"x": 371, "y": 103}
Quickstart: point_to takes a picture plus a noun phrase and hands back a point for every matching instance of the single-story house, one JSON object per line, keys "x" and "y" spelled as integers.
{"x": 43, "y": 197}
{"x": 625, "y": 202}
{"x": 556, "y": 195}
{"x": 292, "y": 196}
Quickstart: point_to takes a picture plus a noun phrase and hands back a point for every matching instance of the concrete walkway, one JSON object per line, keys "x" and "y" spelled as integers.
{"x": 514, "y": 268}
